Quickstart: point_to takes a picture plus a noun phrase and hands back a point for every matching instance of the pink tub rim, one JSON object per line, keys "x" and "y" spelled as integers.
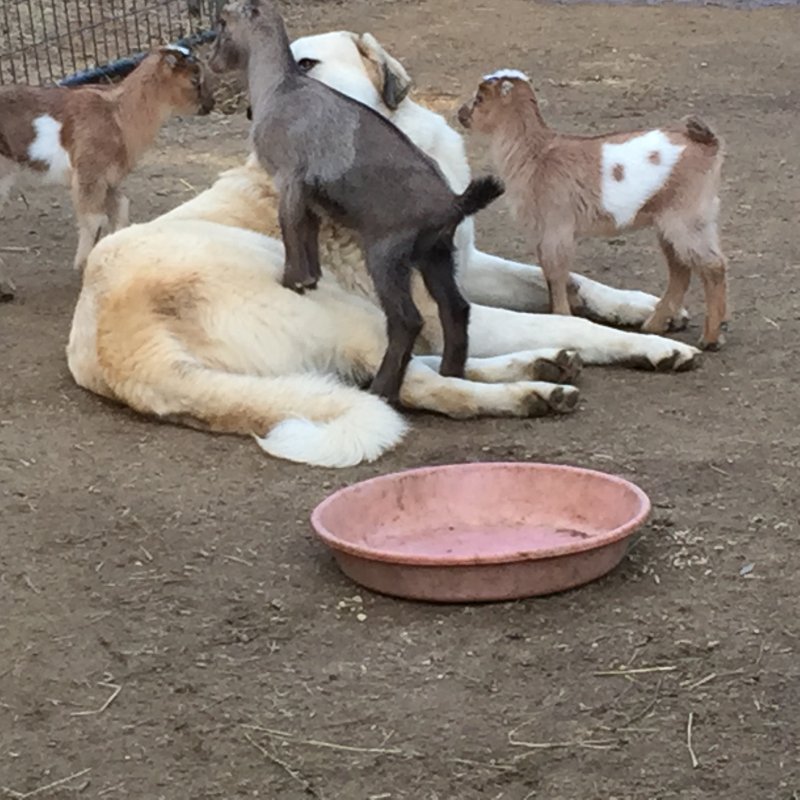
{"x": 593, "y": 543}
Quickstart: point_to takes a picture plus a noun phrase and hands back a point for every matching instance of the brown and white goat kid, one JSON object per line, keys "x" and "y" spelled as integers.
{"x": 90, "y": 137}
{"x": 565, "y": 187}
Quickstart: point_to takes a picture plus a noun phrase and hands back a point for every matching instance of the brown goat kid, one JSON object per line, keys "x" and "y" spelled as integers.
{"x": 91, "y": 137}
{"x": 565, "y": 187}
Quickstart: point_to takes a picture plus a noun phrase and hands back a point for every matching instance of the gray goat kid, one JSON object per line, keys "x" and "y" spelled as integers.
{"x": 331, "y": 155}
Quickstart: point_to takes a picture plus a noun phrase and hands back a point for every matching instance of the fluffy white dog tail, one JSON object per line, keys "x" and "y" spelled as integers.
{"x": 331, "y": 425}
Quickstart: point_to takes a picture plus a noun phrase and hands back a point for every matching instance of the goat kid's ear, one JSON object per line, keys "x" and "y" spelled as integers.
{"x": 396, "y": 81}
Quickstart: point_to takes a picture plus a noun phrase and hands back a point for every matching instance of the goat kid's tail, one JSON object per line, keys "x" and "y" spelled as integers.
{"x": 699, "y": 132}
{"x": 478, "y": 195}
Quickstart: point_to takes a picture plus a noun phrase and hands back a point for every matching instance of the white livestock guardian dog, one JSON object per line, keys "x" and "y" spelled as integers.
{"x": 184, "y": 318}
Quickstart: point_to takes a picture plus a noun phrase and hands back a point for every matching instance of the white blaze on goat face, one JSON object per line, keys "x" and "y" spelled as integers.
{"x": 179, "y": 48}
{"x": 510, "y": 74}
{"x": 47, "y": 148}
{"x": 633, "y": 171}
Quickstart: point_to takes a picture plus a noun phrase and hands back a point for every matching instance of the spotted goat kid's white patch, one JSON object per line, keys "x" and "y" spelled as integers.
{"x": 179, "y": 48}
{"x": 634, "y": 171}
{"x": 46, "y": 147}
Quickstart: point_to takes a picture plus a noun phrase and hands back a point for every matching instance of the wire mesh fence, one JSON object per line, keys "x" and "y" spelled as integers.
{"x": 45, "y": 41}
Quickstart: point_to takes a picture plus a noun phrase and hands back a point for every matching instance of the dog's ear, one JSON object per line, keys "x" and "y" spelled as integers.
{"x": 395, "y": 82}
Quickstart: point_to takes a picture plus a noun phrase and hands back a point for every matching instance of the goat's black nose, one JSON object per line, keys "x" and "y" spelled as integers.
{"x": 464, "y": 115}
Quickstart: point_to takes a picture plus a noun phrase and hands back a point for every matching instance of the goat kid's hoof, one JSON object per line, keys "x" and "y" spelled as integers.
{"x": 712, "y": 346}
{"x": 300, "y": 287}
{"x": 679, "y": 322}
{"x": 670, "y": 324}
{"x": 391, "y": 396}
{"x": 393, "y": 400}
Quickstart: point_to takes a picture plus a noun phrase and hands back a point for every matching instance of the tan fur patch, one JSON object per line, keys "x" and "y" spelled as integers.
{"x": 618, "y": 172}
{"x": 440, "y": 102}
{"x": 374, "y": 71}
{"x": 175, "y": 299}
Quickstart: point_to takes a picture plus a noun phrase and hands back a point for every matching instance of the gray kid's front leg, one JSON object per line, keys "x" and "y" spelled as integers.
{"x": 311, "y": 236}
{"x": 300, "y": 230}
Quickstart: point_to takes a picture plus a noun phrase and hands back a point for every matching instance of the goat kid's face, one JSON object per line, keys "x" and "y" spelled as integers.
{"x": 485, "y": 111}
{"x": 191, "y": 89}
{"x": 235, "y": 24}
{"x": 230, "y": 50}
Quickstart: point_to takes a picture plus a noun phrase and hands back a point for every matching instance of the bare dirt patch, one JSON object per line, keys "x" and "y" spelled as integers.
{"x": 170, "y": 629}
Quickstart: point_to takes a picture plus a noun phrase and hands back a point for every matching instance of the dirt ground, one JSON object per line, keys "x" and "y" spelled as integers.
{"x": 169, "y": 627}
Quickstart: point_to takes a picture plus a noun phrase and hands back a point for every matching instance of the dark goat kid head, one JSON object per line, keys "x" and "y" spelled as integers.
{"x": 236, "y": 22}
{"x": 230, "y": 49}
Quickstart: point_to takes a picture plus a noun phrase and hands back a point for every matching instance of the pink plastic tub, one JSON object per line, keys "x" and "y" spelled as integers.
{"x": 477, "y": 532}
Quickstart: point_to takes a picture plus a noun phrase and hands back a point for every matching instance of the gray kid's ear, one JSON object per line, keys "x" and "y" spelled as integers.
{"x": 395, "y": 81}
{"x": 505, "y": 88}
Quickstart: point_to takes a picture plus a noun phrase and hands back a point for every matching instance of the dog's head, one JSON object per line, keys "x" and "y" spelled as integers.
{"x": 357, "y": 66}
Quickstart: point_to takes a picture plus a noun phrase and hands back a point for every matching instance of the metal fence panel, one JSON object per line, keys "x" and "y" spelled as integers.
{"x": 43, "y": 41}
